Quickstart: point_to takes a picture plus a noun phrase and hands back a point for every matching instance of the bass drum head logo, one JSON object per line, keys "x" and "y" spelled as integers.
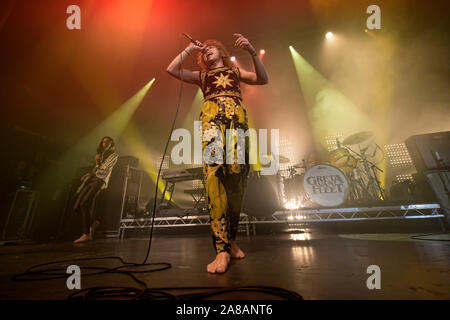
{"x": 326, "y": 185}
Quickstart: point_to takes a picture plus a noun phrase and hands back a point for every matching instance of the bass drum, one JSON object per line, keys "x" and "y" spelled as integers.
{"x": 326, "y": 185}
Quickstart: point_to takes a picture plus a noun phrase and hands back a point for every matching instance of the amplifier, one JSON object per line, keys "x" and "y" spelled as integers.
{"x": 261, "y": 197}
{"x": 127, "y": 161}
{"x": 21, "y": 215}
{"x": 120, "y": 200}
{"x": 430, "y": 151}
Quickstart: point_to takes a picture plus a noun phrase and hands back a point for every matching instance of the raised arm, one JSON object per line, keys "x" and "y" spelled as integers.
{"x": 258, "y": 77}
{"x": 175, "y": 70}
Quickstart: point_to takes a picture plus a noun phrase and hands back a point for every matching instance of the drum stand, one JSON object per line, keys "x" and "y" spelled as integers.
{"x": 356, "y": 185}
{"x": 291, "y": 188}
{"x": 364, "y": 182}
{"x": 374, "y": 189}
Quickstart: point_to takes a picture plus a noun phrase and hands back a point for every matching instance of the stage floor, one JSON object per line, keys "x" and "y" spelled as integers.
{"x": 315, "y": 265}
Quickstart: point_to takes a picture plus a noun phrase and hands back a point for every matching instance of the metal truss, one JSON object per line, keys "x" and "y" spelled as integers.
{"x": 248, "y": 223}
{"x": 179, "y": 221}
{"x": 413, "y": 211}
{"x": 161, "y": 222}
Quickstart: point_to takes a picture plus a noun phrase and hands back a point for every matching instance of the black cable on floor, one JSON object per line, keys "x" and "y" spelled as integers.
{"x": 161, "y": 294}
{"x": 37, "y": 273}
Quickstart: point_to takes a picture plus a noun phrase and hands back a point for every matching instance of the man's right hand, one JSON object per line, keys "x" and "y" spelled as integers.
{"x": 84, "y": 177}
{"x": 198, "y": 46}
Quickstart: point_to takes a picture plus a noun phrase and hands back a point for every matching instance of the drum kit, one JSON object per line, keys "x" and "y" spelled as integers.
{"x": 348, "y": 177}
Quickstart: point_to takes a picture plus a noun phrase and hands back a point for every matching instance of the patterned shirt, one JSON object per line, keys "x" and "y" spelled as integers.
{"x": 104, "y": 170}
{"x": 220, "y": 82}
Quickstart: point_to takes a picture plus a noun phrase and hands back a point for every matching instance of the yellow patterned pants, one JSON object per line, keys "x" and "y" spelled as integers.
{"x": 225, "y": 183}
{"x": 225, "y": 191}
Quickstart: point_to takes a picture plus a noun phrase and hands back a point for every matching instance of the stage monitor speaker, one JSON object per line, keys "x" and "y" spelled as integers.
{"x": 108, "y": 208}
{"x": 261, "y": 197}
{"x": 21, "y": 215}
{"x": 430, "y": 151}
{"x": 421, "y": 188}
{"x": 402, "y": 191}
{"x": 119, "y": 200}
{"x": 127, "y": 161}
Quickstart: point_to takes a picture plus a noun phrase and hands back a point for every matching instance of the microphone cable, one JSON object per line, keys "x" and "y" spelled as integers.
{"x": 180, "y": 91}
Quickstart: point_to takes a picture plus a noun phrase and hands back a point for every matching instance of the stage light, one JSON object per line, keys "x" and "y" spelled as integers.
{"x": 404, "y": 177}
{"x": 292, "y": 204}
{"x": 233, "y": 58}
{"x": 398, "y": 155}
{"x": 332, "y": 140}
{"x": 329, "y": 35}
{"x": 300, "y": 236}
{"x": 262, "y": 51}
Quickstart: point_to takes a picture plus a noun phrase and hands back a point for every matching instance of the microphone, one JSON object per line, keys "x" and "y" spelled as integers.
{"x": 189, "y": 37}
{"x": 191, "y": 40}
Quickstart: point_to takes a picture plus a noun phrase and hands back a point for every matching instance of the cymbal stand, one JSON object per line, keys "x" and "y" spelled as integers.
{"x": 374, "y": 189}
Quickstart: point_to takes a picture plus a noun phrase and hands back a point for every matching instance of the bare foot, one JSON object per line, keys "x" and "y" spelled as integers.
{"x": 83, "y": 238}
{"x": 220, "y": 263}
{"x": 236, "y": 252}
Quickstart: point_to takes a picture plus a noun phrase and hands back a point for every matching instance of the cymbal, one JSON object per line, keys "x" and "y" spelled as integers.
{"x": 357, "y": 138}
{"x": 283, "y": 159}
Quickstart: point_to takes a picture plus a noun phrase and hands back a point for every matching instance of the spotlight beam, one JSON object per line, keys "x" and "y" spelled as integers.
{"x": 56, "y": 177}
{"x": 329, "y": 110}
{"x": 137, "y": 145}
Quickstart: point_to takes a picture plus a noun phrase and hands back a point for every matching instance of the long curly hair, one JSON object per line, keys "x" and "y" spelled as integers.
{"x": 223, "y": 54}
{"x": 111, "y": 148}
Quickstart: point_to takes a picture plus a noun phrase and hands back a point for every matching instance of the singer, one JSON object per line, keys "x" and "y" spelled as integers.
{"x": 222, "y": 109}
